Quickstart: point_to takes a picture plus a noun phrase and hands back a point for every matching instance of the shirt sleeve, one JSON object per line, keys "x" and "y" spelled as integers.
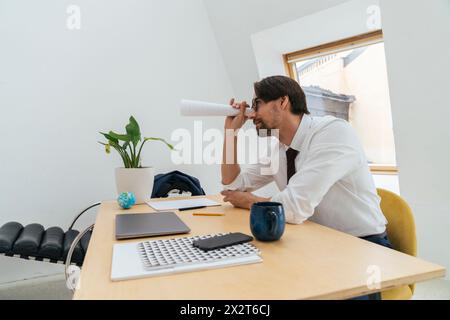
{"x": 333, "y": 153}
{"x": 249, "y": 179}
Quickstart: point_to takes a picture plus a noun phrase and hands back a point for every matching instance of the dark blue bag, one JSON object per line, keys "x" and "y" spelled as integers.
{"x": 166, "y": 182}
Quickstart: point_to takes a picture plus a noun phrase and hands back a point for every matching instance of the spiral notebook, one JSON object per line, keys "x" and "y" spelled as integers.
{"x": 161, "y": 257}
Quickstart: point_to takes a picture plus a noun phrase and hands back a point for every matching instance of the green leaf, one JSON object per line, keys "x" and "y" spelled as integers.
{"x": 120, "y": 150}
{"x": 107, "y": 147}
{"x": 133, "y": 131}
{"x": 109, "y": 137}
{"x": 160, "y": 139}
{"x": 122, "y": 137}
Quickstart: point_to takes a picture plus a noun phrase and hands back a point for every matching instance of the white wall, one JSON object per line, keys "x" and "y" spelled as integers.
{"x": 417, "y": 44}
{"x": 234, "y": 21}
{"x": 58, "y": 88}
{"x": 387, "y": 181}
{"x": 335, "y": 23}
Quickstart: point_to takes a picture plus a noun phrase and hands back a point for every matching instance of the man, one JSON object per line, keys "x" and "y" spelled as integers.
{"x": 323, "y": 174}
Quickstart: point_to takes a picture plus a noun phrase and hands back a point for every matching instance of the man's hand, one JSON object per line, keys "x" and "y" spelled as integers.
{"x": 241, "y": 199}
{"x": 237, "y": 121}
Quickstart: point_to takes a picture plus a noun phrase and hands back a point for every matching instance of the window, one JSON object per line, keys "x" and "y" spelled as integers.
{"x": 348, "y": 79}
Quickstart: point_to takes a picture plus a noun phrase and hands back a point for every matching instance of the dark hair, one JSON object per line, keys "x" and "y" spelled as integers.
{"x": 272, "y": 88}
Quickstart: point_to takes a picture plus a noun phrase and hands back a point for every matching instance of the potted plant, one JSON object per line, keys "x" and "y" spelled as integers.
{"x": 132, "y": 177}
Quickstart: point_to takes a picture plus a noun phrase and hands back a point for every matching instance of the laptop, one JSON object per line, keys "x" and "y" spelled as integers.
{"x": 139, "y": 225}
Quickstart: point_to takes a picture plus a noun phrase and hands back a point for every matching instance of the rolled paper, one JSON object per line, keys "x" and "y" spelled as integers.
{"x": 192, "y": 108}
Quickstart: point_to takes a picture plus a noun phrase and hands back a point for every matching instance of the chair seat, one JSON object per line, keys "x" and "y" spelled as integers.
{"x": 399, "y": 293}
{"x": 33, "y": 242}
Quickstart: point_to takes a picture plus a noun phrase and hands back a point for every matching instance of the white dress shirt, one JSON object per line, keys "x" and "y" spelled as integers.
{"x": 332, "y": 185}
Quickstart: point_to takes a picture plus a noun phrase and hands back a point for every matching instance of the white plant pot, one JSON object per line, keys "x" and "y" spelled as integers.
{"x": 136, "y": 180}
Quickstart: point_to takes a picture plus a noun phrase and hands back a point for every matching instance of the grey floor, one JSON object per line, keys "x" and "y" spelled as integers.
{"x": 54, "y": 288}
{"x": 45, "y": 288}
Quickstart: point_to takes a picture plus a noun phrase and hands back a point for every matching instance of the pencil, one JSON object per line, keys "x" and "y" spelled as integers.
{"x": 208, "y": 214}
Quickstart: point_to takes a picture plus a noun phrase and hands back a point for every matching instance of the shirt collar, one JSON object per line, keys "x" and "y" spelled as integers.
{"x": 301, "y": 132}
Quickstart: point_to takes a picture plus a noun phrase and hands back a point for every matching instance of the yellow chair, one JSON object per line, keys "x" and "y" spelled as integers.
{"x": 401, "y": 231}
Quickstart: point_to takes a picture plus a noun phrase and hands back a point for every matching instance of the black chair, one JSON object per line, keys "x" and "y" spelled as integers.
{"x": 33, "y": 242}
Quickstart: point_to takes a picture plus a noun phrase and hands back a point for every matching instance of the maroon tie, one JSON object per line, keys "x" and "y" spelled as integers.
{"x": 291, "y": 154}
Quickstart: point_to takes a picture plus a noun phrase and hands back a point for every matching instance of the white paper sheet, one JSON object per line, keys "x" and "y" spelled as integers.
{"x": 200, "y": 108}
{"x": 183, "y": 203}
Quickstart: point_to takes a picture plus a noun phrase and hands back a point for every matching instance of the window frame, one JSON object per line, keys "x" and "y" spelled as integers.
{"x": 289, "y": 60}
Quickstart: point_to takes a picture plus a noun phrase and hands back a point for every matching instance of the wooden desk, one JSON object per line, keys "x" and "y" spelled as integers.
{"x": 309, "y": 262}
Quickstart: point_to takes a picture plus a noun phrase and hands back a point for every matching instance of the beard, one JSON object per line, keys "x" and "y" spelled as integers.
{"x": 263, "y": 130}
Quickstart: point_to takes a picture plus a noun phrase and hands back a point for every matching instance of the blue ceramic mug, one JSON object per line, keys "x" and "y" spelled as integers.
{"x": 267, "y": 220}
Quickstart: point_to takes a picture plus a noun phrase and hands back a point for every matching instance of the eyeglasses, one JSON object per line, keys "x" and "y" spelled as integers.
{"x": 255, "y": 104}
{"x": 256, "y": 101}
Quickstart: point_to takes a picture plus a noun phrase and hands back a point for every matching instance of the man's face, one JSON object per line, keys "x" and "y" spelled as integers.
{"x": 266, "y": 115}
